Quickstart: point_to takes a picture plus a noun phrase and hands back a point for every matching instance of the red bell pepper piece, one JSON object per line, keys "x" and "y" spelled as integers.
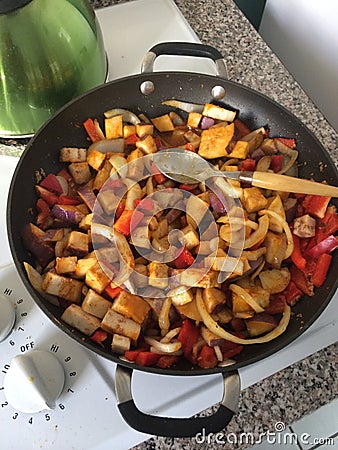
{"x": 292, "y": 293}
{"x": 184, "y": 259}
{"x": 91, "y": 130}
{"x": 119, "y": 210}
{"x": 276, "y": 305}
{"x": 301, "y": 281}
{"x": 188, "y": 187}
{"x": 113, "y": 292}
{"x": 132, "y": 139}
{"x": 319, "y": 275}
{"x": 241, "y": 128}
{"x": 99, "y": 336}
{"x": 289, "y": 142}
{"x": 159, "y": 177}
{"x": 51, "y": 183}
{"x": 167, "y": 361}
{"x": 297, "y": 257}
{"x": 316, "y": 205}
{"x": 68, "y": 200}
{"x": 188, "y": 336}
{"x": 248, "y": 164}
{"x": 207, "y": 358}
{"x": 190, "y": 147}
{"x": 146, "y": 204}
{"x": 276, "y": 162}
{"x": 65, "y": 174}
{"x": 46, "y": 195}
{"x": 128, "y": 221}
{"x": 131, "y": 355}
{"x": 147, "y": 358}
{"x": 230, "y": 349}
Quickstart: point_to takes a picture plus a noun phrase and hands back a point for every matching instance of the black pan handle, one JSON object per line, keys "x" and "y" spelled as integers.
{"x": 176, "y": 427}
{"x": 184, "y": 49}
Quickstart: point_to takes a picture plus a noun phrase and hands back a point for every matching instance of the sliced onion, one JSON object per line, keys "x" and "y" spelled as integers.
{"x": 35, "y": 280}
{"x": 127, "y": 262}
{"x": 64, "y": 184}
{"x": 163, "y": 318}
{"x": 134, "y": 193}
{"x": 120, "y": 165}
{"x": 259, "y": 234}
{"x": 263, "y": 164}
{"x": 215, "y": 328}
{"x": 241, "y": 292}
{"x": 127, "y": 116}
{"x": 108, "y": 146}
{"x": 292, "y": 155}
{"x": 207, "y": 122}
{"x": 285, "y": 225}
{"x": 184, "y": 106}
{"x": 170, "y": 335}
{"x": 238, "y": 221}
{"x": 218, "y": 353}
{"x": 162, "y": 347}
{"x": 98, "y": 129}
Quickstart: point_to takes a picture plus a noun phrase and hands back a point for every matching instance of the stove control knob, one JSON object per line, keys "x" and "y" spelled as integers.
{"x": 7, "y": 317}
{"x": 34, "y": 381}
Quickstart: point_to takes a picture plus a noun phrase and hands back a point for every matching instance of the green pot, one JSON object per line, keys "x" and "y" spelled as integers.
{"x": 51, "y": 51}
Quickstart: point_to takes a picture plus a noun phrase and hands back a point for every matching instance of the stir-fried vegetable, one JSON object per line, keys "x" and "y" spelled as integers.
{"x": 157, "y": 271}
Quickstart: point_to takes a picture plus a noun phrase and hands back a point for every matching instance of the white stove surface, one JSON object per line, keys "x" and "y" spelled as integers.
{"x": 86, "y": 416}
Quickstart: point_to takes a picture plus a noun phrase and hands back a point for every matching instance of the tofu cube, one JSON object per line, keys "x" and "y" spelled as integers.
{"x": 114, "y": 322}
{"x": 96, "y": 159}
{"x": 128, "y": 130}
{"x": 131, "y": 306}
{"x": 253, "y": 199}
{"x": 191, "y": 238}
{"x": 158, "y": 274}
{"x": 77, "y": 243}
{"x": 96, "y": 278}
{"x": 80, "y": 172}
{"x": 79, "y": 319}
{"x": 66, "y": 288}
{"x": 213, "y": 298}
{"x": 194, "y": 119}
{"x": 240, "y": 150}
{"x": 120, "y": 344}
{"x": 214, "y": 141}
{"x": 66, "y": 264}
{"x": 218, "y": 113}
{"x": 142, "y": 129}
{"x": 147, "y": 144}
{"x": 95, "y": 304}
{"x": 114, "y": 127}
{"x": 163, "y": 123}
{"x": 181, "y": 296}
{"x": 73, "y": 154}
{"x": 83, "y": 265}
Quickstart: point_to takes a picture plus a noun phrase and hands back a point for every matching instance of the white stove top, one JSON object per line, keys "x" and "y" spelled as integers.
{"x": 86, "y": 415}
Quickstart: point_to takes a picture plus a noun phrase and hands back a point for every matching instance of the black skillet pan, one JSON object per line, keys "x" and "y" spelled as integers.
{"x": 144, "y": 93}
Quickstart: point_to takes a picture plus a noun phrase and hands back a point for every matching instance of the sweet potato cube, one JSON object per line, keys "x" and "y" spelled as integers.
{"x": 66, "y": 264}
{"x": 95, "y": 304}
{"x": 214, "y": 141}
{"x": 96, "y": 278}
{"x": 253, "y": 199}
{"x": 77, "y": 243}
{"x": 63, "y": 287}
{"x": 131, "y": 306}
{"x": 79, "y": 319}
{"x": 114, "y": 322}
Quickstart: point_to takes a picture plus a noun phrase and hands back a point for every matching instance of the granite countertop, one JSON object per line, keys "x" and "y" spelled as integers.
{"x": 312, "y": 382}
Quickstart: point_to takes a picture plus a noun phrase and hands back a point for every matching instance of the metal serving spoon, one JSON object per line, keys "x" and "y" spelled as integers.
{"x": 188, "y": 167}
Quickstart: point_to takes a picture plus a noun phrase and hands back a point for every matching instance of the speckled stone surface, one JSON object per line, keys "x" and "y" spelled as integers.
{"x": 311, "y": 383}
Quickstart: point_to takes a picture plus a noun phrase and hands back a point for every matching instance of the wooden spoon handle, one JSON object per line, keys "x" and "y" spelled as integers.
{"x": 277, "y": 182}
